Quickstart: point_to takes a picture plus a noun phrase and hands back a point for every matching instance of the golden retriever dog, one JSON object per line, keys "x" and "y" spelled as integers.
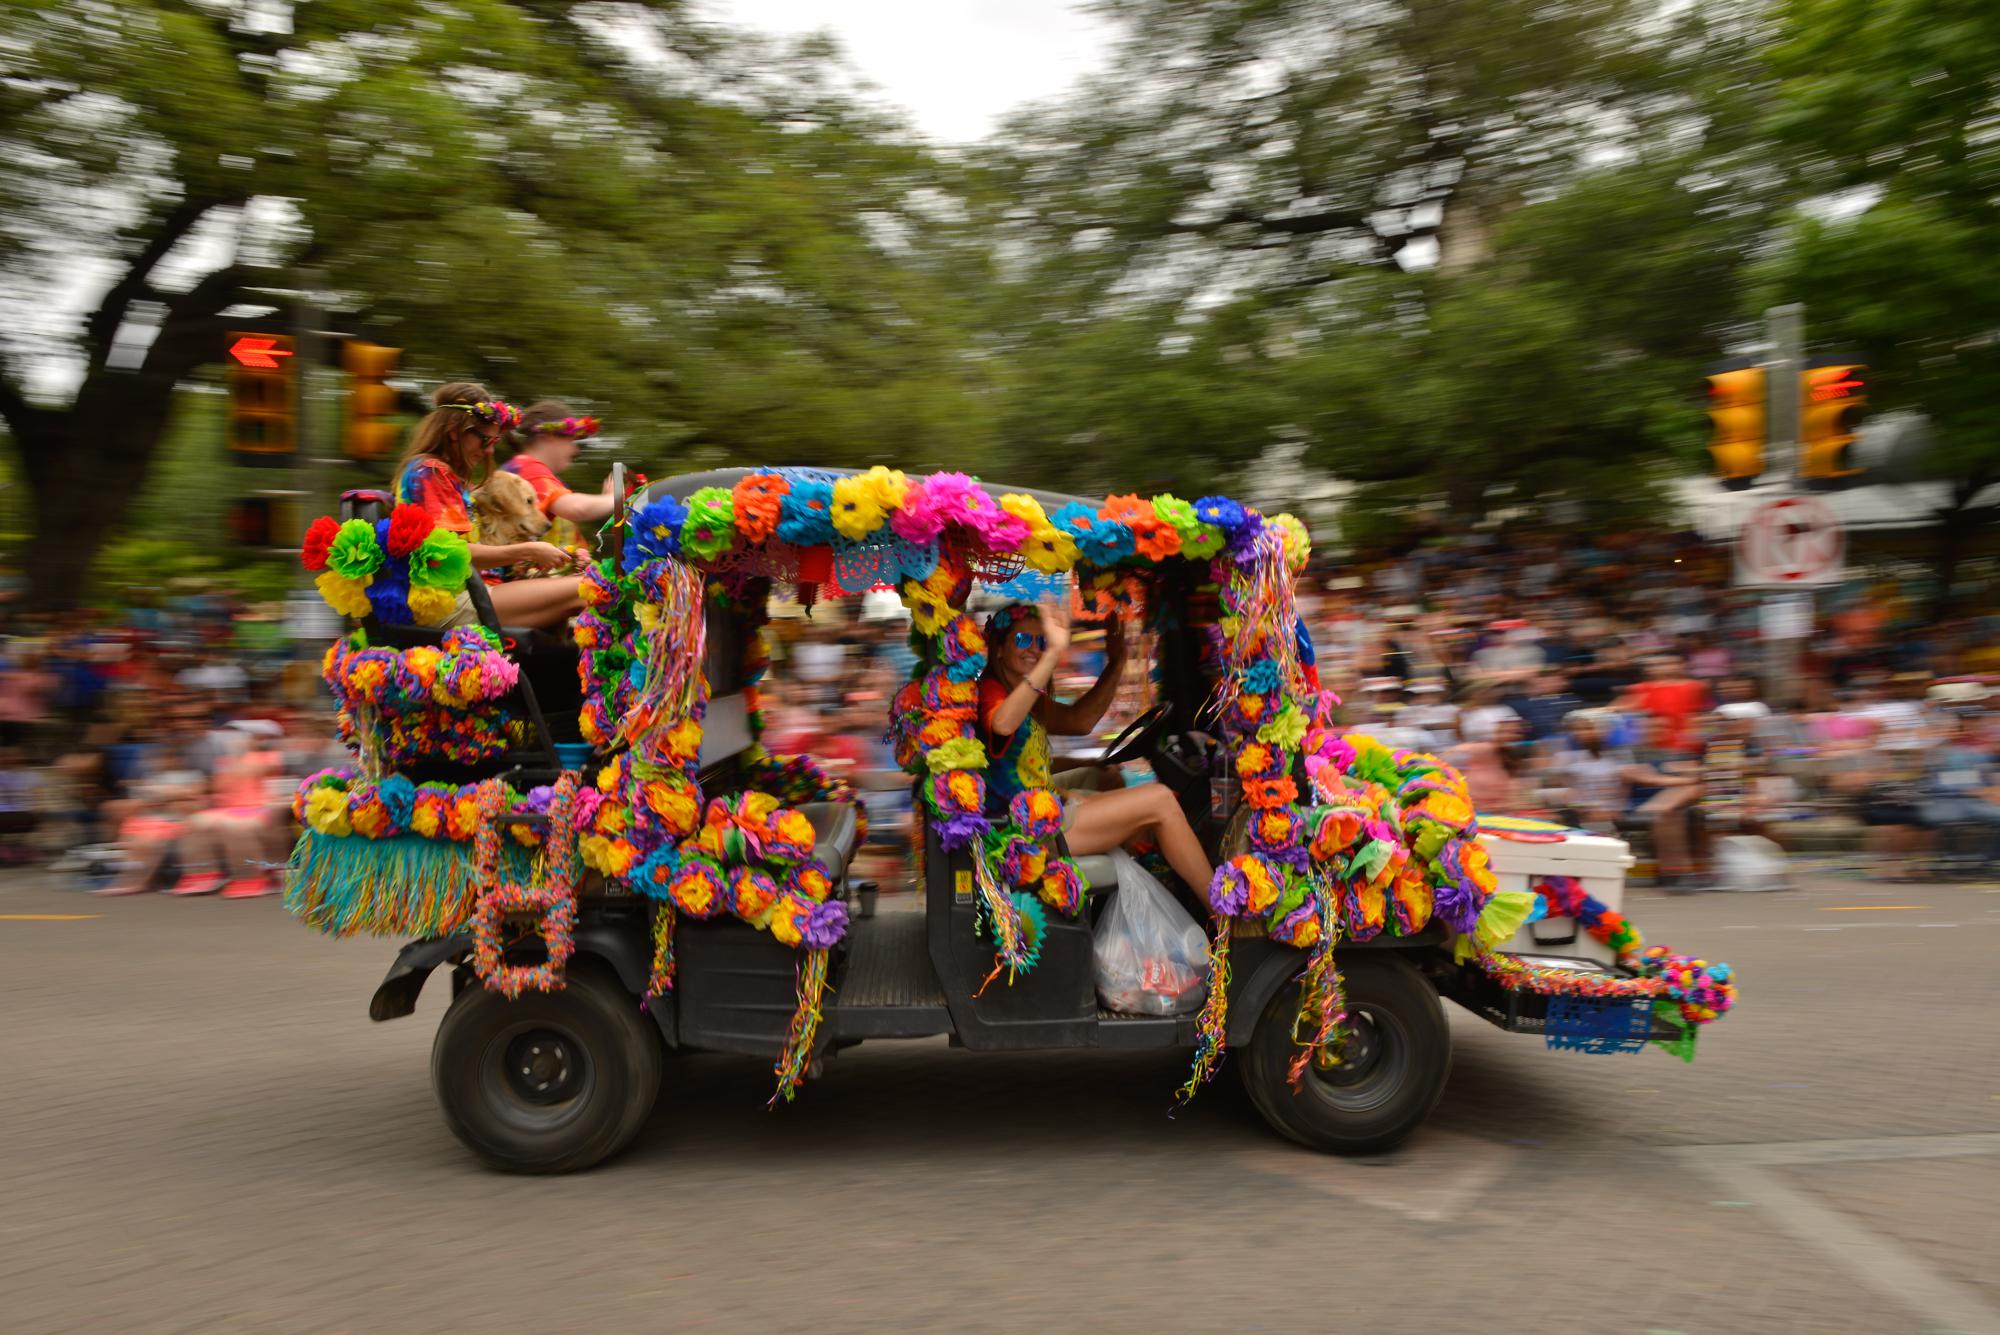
{"x": 507, "y": 511}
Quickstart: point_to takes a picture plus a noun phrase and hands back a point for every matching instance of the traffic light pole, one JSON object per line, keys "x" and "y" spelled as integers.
{"x": 1785, "y": 327}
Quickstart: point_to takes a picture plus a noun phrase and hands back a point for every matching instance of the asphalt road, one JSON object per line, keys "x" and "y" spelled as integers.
{"x": 202, "y": 1131}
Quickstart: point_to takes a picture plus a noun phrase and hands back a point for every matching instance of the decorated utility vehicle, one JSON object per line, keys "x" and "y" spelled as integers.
{"x": 589, "y": 834}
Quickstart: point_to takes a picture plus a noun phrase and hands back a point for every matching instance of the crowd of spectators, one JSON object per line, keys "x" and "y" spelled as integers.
{"x": 1621, "y": 686}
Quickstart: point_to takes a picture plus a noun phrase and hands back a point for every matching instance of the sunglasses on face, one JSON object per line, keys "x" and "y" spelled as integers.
{"x": 1027, "y": 640}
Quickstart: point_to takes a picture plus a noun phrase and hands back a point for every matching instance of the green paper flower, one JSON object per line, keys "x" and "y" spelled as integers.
{"x": 958, "y": 753}
{"x": 1205, "y": 542}
{"x": 354, "y": 553}
{"x": 441, "y": 561}
{"x": 1180, "y": 514}
{"x": 1286, "y": 729}
{"x": 710, "y": 527}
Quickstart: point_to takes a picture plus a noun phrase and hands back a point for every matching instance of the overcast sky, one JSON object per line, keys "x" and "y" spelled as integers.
{"x": 957, "y": 66}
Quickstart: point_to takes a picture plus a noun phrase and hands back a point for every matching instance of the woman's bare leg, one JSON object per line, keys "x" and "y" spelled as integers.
{"x": 142, "y": 858}
{"x": 1105, "y": 821}
{"x": 540, "y": 604}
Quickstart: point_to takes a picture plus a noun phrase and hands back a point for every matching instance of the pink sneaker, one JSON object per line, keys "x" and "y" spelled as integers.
{"x": 247, "y": 887}
{"x": 197, "y": 883}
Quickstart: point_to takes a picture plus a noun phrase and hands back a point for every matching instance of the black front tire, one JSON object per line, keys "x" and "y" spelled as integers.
{"x": 1396, "y": 1062}
{"x": 552, "y": 1082}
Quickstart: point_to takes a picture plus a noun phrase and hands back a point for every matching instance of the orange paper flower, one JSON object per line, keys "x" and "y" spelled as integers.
{"x": 757, "y": 501}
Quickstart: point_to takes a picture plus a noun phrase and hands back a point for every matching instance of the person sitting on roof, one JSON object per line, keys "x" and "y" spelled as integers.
{"x": 1024, "y": 650}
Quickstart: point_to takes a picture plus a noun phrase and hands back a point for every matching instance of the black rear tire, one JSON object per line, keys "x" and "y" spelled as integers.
{"x": 1393, "y": 1071}
{"x": 552, "y": 1082}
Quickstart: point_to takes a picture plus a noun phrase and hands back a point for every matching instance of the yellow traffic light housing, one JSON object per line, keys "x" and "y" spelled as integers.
{"x": 263, "y": 399}
{"x": 370, "y": 434}
{"x": 1832, "y": 398}
{"x": 1736, "y": 408}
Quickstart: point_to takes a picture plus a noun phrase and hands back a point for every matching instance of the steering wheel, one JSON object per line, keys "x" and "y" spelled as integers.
{"x": 1140, "y": 736}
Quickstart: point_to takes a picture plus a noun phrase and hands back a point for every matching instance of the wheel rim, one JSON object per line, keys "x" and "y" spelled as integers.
{"x": 537, "y": 1077}
{"x": 1374, "y": 1062}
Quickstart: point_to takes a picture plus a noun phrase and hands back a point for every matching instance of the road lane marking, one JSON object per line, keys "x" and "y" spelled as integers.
{"x": 47, "y": 917}
{"x": 1871, "y": 908}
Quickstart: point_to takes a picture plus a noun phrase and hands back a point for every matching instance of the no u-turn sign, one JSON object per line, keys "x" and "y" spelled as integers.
{"x": 1790, "y": 542}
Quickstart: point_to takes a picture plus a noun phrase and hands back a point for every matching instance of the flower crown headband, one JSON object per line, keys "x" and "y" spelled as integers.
{"x": 503, "y": 414}
{"x": 998, "y": 622}
{"x": 575, "y": 428}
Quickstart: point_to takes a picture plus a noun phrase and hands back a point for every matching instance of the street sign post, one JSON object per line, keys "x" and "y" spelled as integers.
{"x": 1790, "y": 542}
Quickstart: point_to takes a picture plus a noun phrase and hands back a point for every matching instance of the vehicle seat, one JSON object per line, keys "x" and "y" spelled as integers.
{"x": 834, "y": 829}
{"x": 1099, "y": 872}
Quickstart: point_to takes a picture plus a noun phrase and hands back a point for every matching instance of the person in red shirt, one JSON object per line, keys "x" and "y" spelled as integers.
{"x": 547, "y": 442}
{"x": 1673, "y": 697}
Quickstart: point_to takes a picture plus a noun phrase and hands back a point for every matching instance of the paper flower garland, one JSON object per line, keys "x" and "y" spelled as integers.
{"x": 400, "y": 569}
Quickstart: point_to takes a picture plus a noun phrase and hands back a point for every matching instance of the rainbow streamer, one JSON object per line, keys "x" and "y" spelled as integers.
{"x": 1014, "y": 951}
{"x": 673, "y": 686}
{"x": 1210, "y": 1027}
{"x": 1324, "y": 996}
{"x": 797, "y": 1056}
{"x": 661, "y": 980}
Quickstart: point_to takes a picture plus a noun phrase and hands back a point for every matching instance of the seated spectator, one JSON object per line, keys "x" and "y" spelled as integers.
{"x": 1960, "y": 789}
{"x": 1591, "y": 774}
{"x": 1664, "y": 786}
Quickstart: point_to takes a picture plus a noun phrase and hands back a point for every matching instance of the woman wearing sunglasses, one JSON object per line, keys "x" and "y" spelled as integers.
{"x": 1024, "y": 650}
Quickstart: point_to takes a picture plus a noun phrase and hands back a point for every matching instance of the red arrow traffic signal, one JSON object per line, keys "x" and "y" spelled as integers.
{"x": 258, "y": 353}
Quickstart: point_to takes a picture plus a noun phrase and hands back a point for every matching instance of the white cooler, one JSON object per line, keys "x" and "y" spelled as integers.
{"x": 1596, "y": 861}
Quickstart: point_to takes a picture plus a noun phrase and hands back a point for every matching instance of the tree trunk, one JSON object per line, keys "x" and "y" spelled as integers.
{"x": 83, "y": 467}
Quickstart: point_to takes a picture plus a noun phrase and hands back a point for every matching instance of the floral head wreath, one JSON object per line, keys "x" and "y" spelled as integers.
{"x": 502, "y": 414}
{"x": 998, "y": 622}
{"x": 575, "y": 428}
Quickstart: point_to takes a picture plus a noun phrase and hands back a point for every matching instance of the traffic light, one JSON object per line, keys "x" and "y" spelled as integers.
{"x": 263, "y": 400}
{"x": 1736, "y": 407}
{"x": 370, "y": 435}
{"x": 265, "y": 520}
{"x": 1832, "y": 399}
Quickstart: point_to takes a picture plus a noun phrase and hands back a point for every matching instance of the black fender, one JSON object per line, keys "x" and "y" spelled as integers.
{"x": 1260, "y": 966}
{"x": 627, "y": 954}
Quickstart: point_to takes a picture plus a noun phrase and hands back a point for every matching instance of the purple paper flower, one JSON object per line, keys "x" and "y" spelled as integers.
{"x": 1229, "y": 891}
{"x": 961, "y": 828}
{"x": 824, "y": 925}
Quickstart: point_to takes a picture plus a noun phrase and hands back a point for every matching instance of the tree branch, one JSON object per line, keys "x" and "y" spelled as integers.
{"x": 102, "y": 326}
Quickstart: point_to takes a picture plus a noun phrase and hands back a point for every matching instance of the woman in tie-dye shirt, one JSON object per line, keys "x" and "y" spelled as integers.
{"x": 451, "y": 450}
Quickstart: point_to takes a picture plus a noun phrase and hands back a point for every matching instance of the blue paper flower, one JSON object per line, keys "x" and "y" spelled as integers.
{"x": 805, "y": 515}
{"x": 966, "y": 669}
{"x": 1075, "y": 519}
{"x": 399, "y": 796}
{"x": 389, "y": 596}
{"x": 1261, "y": 677}
{"x": 1107, "y": 543}
{"x": 656, "y": 531}
{"x": 1222, "y": 512}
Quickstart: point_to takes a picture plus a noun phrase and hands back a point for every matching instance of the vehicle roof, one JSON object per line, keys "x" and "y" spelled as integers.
{"x": 683, "y": 485}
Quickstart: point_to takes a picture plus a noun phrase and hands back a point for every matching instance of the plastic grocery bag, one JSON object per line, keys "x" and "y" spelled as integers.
{"x": 1152, "y": 958}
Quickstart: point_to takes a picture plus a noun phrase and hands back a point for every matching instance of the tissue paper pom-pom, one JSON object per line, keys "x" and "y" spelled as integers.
{"x": 1258, "y": 760}
{"x": 1229, "y": 890}
{"x": 613, "y": 857}
{"x": 1037, "y": 812}
{"x": 441, "y": 561}
{"x": 857, "y": 509}
{"x": 433, "y": 811}
{"x": 676, "y": 802}
{"x": 429, "y": 607}
{"x": 960, "y": 753}
{"x": 1062, "y": 887}
{"x": 823, "y": 925}
{"x": 790, "y": 837}
{"x": 1299, "y": 927}
{"x": 1270, "y": 792}
{"x": 345, "y": 596}
{"x": 354, "y": 553}
{"x": 1025, "y": 508}
{"x": 710, "y": 529}
{"x": 751, "y": 893}
{"x": 399, "y": 798}
{"x": 1022, "y": 861}
{"x": 805, "y": 515}
{"x": 1277, "y": 833}
{"x": 367, "y": 814}
{"x": 788, "y": 918}
{"x": 656, "y": 531}
{"x": 326, "y": 811}
{"x": 654, "y": 875}
{"x": 390, "y": 603}
{"x": 957, "y": 790}
{"x": 1222, "y": 512}
{"x": 698, "y": 890}
{"x": 1334, "y": 830}
{"x": 756, "y": 503}
{"x": 409, "y": 525}
{"x": 1049, "y": 550}
{"x": 1264, "y": 879}
{"x": 1286, "y": 728}
{"x": 1107, "y": 543}
{"x": 810, "y": 880}
{"x": 1298, "y": 543}
{"x": 318, "y": 540}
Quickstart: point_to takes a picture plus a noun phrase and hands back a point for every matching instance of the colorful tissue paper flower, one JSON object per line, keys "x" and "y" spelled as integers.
{"x": 934, "y": 502}
{"x": 1206, "y": 541}
{"x": 326, "y": 811}
{"x": 1258, "y": 761}
{"x": 757, "y": 503}
{"x": 752, "y": 892}
{"x": 1062, "y": 887}
{"x": 354, "y": 554}
{"x": 399, "y": 799}
{"x": 442, "y": 561}
{"x": 1155, "y": 539}
{"x": 710, "y": 527}
{"x": 1107, "y": 543}
{"x": 1261, "y": 676}
{"x": 805, "y": 516}
{"x": 1025, "y": 508}
{"x": 430, "y": 607}
{"x": 431, "y": 811}
{"x": 788, "y": 918}
{"x": 1171, "y": 509}
{"x": 1023, "y": 862}
{"x": 347, "y": 597}
{"x": 857, "y": 508}
{"x": 1224, "y": 513}
{"x": 656, "y": 531}
{"x": 1333, "y": 831}
{"x": 958, "y": 790}
{"x": 409, "y": 525}
{"x": 1037, "y": 813}
{"x": 1270, "y": 792}
{"x": 389, "y": 601}
{"x": 613, "y": 857}
{"x": 1298, "y": 542}
{"x": 1277, "y": 833}
{"x": 1049, "y": 550}
{"x": 790, "y": 838}
{"x": 823, "y": 925}
{"x": 809, "y": 880}
{"x": 1287, "y": 728}
{"x": 318, "y": 542}
{"x": 961, "y": 753}
{"x": 699, "y": 889}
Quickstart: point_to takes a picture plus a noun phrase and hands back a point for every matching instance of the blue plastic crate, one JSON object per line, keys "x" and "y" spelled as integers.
{"x": 1583, "y": 1024}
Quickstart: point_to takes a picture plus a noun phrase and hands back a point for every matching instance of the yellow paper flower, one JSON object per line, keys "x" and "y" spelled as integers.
{"x": 887, "y": 486}
{"x": 1049, "y": 549}
{"x": 1298, "y": 543}
{"x": 428, "y": 606}
{"x": 349, "y": 597}
{"x": 857, "y": 511}
{"x": 648, "y": 615}
{"x": 958, "y": 753}
{"x": 784, "y": 920}
{"x": 1286, "y": 729}
{"x": 1026, "y": 509}
{"x": 326, "y": 811}
{"x": 425, "y": 820}
{"x": 608, "y": 777}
